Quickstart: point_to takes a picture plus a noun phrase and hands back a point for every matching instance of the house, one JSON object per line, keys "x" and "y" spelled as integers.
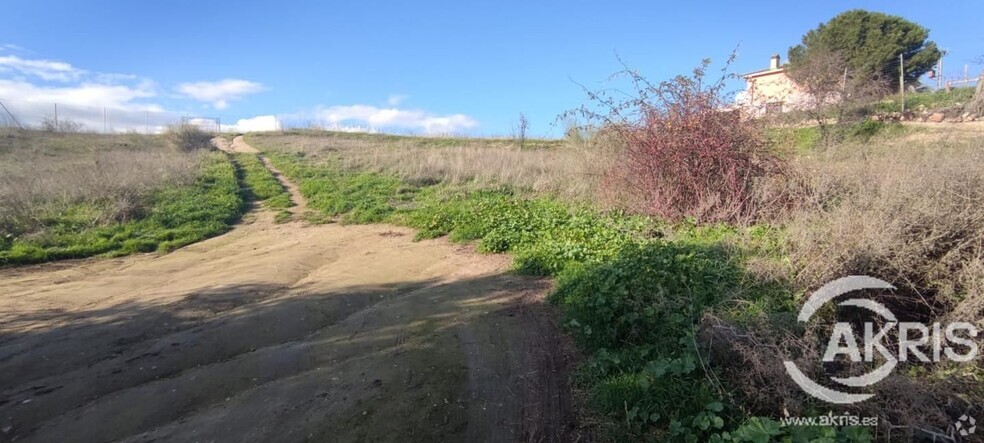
{"x": 770, "y": 91}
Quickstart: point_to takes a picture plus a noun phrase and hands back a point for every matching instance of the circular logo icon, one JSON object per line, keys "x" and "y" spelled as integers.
{"x": 965, "y": 425}
{"x": 816, "y": 300}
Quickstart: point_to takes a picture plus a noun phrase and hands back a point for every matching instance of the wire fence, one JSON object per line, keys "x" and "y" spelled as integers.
{"x": 103, "y": 119}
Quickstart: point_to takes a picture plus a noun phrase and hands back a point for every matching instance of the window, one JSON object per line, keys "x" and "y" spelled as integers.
{"x": 773, "y": 108}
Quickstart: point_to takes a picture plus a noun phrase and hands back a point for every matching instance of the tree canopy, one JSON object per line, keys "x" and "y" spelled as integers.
{"x": 870, "y": 44}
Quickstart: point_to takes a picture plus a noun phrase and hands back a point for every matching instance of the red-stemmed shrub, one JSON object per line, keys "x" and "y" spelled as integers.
{"x": 687, "y": 152}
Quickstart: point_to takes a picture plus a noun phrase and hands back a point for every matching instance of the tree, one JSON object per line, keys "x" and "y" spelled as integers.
{"x": 976, "y": 104}
{"x": 832, "y": 94}
{"x": 524, "y": 126}
{"x": 871, "y": 43}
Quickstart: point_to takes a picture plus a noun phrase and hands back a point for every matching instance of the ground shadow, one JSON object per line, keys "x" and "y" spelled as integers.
{"x": 477, "y": 358}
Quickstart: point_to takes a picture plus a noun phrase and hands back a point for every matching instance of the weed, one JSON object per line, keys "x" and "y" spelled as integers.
{"x": 282, "y": 217}
{"x": 927, "y": 101}
{"x": 44, "y": 175}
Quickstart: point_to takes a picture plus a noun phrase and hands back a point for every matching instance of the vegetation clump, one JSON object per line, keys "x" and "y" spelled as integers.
{"x": 685, "y": 155}
{"x": 189, "y": 138}
{"x": 871, "y": 43}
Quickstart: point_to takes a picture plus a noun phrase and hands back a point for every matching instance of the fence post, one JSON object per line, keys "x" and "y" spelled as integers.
{"x": 902, "y": 80}
{"x": 56, "y": 117}
{"x": 11, "y": 115}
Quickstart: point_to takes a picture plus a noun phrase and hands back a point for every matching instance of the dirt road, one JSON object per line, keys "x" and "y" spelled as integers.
{"x": 282, "y": 332}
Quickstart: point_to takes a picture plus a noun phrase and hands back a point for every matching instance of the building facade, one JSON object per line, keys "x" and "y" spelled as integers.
{"x": 770, "y": 91}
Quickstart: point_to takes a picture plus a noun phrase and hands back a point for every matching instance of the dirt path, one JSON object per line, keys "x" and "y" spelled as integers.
{"x": 283, "y": 332}
{"x": 300, "y": 203}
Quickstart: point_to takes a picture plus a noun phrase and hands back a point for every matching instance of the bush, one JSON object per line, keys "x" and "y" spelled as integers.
{"x": 51, "y": 124}
{"x": 905, "y": 210}
{"x": 911, "y": 216}
{"x": 685, "y": 155}
{"x": 189, "y": 138}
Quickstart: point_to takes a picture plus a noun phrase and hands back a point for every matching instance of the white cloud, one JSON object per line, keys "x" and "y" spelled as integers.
{"x": 47, "y": 70}
{"x": 97, "y": 107}
{"x": 394, "y": 118}
{"x": 122, "y": 102}
{"x": 396, "y": 99}
{"x": 30, "y": 89}
{"x": 259, "y": 123}
{"x": 85, "y": 94}
{"x": 221, "y": 92}
{"x": 12, "y": 47}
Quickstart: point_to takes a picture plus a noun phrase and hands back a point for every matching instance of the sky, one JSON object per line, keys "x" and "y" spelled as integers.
{"x": 416, "y": 67}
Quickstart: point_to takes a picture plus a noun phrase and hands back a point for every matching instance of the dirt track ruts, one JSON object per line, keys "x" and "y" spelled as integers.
{"x": 283, "y": 332}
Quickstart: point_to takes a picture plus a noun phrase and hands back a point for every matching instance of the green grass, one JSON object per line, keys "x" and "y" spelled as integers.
{"x": 631, "y": 291}
{"x": 176, "y": 216}
{"x": 803, "y": 140}
{"x": 263, "y": 186}
{"x": 351, "y": 197}
{"x": 282, "y": 217}
{"x": 929, "y": 100}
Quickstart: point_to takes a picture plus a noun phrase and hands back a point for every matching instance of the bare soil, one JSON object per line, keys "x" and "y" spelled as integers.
{"x": 283, "y": 332}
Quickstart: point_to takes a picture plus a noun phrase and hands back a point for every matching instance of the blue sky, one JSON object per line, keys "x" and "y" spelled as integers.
{"x": 419, "y": 66}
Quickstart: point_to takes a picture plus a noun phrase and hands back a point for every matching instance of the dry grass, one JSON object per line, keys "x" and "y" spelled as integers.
{"x": 569, "y": 169}
{"x": 907, "y": 210}
{"x": 43, "y": 175}
{"x": 188, "y": 138}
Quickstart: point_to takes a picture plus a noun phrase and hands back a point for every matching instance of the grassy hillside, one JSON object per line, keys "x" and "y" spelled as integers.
{"x": 668, "y": 312}
{"x": 685, "y": 325}
{"x": 79, "y": 195}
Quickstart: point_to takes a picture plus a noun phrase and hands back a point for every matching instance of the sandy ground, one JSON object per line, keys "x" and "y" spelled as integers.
{"x": 285, "y": 332}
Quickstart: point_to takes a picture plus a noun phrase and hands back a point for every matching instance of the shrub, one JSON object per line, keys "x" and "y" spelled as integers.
{"x": 51, "y": 124}
{"x": 906, "y": 210}
{"x": 835, "y": 97}
{"x": 685, "y": 155}
{"x": 911, "y": 216}
{"x": 189, "y": 138}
